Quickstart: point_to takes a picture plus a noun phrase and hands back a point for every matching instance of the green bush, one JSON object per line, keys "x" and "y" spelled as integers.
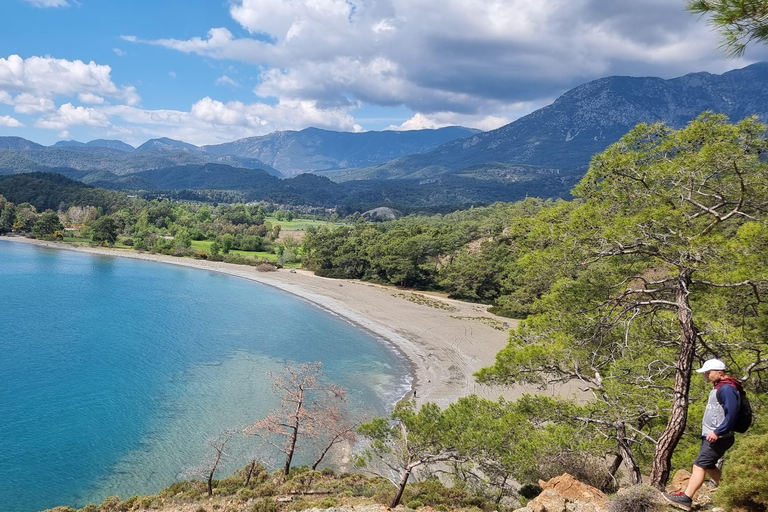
{"x": 744, "y": 485}
{"x": 414, "y": 504}
{"x": 264, "y": 505}
{"x": 328, "y": 503}
{"x": 89, "y": 508}
{"x": 265, "y": 489}
{"x": 639, "y": 498}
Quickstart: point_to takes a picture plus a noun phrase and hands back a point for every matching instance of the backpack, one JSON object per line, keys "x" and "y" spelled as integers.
{"x": 744, "y": 416}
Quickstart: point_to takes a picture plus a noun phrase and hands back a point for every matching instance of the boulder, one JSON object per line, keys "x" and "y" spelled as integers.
{"x": 679, "y": 481}
{"x": 566, "y": 494}
{"x": 575, "y": 491}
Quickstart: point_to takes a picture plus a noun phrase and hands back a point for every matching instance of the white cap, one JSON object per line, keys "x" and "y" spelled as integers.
{"x": 711, "y": 364}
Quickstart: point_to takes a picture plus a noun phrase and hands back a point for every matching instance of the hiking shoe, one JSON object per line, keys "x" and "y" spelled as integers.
{"x": 679, "y": 500}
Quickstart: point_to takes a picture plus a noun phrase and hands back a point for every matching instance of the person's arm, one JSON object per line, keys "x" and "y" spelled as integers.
{"x": 729, "y": 397}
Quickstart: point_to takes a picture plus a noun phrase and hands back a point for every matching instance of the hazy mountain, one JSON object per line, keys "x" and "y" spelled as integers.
{"x": 119, "y": 158}
{"x": 586, "y": 120}
{"x": 166, "y": 145}
{"x": 295, "y": 152}
{"x": 101, "y": 143}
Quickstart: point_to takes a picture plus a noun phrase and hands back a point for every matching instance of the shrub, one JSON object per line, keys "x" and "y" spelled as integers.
{"x": 300, "y": 504}
{"x": 245, "y": 494}
{"x": 581, "y": 466}
{"x": 328, "y": 503}
{"x": 201, "y": 255}
{"x": 265, "y": 489}
{"x": 112, "y": 504}
{"x": 327, "y": 472}
{"x": 744, "y": 486}
{"x": 89, "y": 508}
{"x": 264, "y": 505}
{"x": 414, "y": 504}
{"x": 266, "y": 267}
{"x": 640, "y": 498}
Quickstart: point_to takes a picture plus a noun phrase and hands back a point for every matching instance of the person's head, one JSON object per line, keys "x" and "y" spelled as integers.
{"x": 713, "y": 370}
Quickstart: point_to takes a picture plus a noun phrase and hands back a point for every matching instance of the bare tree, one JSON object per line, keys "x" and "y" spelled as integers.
{"x": 216, "y": 456}
{"x": 340, "y": 429}
{"x": 306, "y": 409}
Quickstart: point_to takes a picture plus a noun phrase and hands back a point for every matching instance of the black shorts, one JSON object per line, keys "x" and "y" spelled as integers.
{"x": 710, "y": 453}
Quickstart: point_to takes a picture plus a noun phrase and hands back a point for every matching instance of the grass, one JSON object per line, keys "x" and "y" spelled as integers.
{"x": 300, "y": 224}
{"x": 205, "y": 245}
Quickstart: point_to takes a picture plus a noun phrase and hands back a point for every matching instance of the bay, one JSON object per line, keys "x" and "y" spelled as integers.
{"x": 114, "y": 372}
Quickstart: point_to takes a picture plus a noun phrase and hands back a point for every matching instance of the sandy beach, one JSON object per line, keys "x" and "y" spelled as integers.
{"x": 445, "y": 340}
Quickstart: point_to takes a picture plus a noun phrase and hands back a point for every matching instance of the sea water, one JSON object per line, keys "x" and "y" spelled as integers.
{"x": 115, "y": 373}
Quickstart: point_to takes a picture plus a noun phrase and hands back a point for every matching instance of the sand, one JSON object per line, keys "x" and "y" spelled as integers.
{"x": 444, "y": 340}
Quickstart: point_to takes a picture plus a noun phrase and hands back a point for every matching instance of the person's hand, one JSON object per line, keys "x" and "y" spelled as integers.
{"x": 712, "y": 437}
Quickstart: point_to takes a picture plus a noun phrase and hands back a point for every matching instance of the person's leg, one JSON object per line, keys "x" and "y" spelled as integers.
{"x": 696, "y": 481}
{"x": 715, "y": 474}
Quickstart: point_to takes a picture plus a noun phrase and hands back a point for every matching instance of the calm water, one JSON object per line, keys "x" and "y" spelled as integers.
{"x": 115, "y": 372}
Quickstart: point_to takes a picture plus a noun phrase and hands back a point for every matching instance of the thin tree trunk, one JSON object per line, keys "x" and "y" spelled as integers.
{"x": 635, "y": 477}
{"x": 249, "y": 473}
{"x": 291, "y": 449}
{"x": 610, "y": 478}
{"x": 401, "y": 486}
{"x": 667, "y": 443}
{"x": 210, "y": 483}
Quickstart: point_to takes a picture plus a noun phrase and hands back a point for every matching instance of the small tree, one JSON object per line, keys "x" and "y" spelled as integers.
{"x": 215, "y": 458}
{"x": 307, "y": 408}
{"x": 339, "y": 430}
{"x": 47, "y": 224}
{"x": 409, "y": 439}
{"x": 104, "y": 229}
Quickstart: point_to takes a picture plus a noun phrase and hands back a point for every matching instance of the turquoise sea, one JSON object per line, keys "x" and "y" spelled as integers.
{"x": 115, "y": 372}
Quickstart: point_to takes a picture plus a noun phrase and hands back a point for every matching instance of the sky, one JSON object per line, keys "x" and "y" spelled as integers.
{"x": 213, "y": 71}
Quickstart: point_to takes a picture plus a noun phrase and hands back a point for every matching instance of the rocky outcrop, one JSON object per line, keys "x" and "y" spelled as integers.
{"x": 566, "y": 494}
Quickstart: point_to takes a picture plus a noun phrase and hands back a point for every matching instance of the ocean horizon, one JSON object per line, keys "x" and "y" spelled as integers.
{"x": 115, "y": 372}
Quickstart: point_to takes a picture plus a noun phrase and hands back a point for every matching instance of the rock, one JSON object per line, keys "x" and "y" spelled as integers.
{"x": 566, "y": 494}
{"x": 574, "y": 491}
{"x": 679, "y": 481}
{"x": 548, "y": 501}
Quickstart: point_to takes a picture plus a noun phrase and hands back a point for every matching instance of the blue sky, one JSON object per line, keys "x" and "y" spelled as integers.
{"x": 219, "y": 70}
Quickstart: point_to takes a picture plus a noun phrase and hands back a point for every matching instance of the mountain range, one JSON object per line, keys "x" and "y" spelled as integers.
{"x": 544, "y": 153}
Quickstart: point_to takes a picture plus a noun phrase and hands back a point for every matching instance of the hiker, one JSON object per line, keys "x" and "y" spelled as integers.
{"x": 717, "y": 429}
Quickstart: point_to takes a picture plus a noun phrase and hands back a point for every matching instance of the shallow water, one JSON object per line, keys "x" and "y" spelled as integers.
{"x": 114, "y": 372}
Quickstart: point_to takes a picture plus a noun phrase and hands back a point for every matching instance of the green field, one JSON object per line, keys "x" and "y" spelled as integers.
{"x": 205, "y": 245}
{"x": 300, "y": 224}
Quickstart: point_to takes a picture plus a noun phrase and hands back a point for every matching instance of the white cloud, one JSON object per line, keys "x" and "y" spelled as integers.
{"x": 10, "y": 122}
{"x": 48, "y": 77}
{"x": 442, "y": 119}
{"x": 48, "y": 3}
{"x": 462, "y": 56}
{"x": 119, "y": 52}
{"x": 26, "y": 103}
{"x": 211, "y": 121}
{"x": 68, "y": 115}
{"x": 93, "y": 99}
{"x": 6, "y": 98}
{"x": 225, "y": 80}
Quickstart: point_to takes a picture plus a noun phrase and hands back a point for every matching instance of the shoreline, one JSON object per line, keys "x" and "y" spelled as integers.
{"x": 443, "y": 340}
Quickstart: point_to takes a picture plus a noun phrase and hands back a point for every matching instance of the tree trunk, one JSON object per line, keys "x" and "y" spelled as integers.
{"x": 635, "y": 477}
{"x": 210, "y": 484}
{"x": 291, "y": 449}
{"x": 610, "y": 478}
{"x": 249, "y": 473}
{"x": 401, "y": 486}
{"x": 667, "y": 443}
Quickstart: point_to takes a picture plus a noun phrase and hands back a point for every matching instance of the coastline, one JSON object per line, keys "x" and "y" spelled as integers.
{"x": 445, "y": 341}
